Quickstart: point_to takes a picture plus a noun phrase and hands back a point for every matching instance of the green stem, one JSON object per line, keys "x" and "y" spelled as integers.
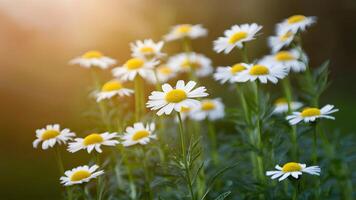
{"x": 146, "y": 173}
{"x": 185, "y": 162}
{"x": 258, "y": 132}
{"x": 137, "y": 98}
{"x": 293, "y": 130}
{"x": 61, "y": 170}
{"x": 296, "y": 191}
{"x": 315, "y": 145}
{"x": 244, "y": 54}
{"x": 129, "y": 173}
{"x": 212, "y": 134}
{"x": 99, "y": 185}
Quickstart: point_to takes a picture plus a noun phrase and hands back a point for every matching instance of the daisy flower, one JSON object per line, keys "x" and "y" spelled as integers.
{"x": 51, "y": 135}
{"x": 165, "y": 73}
{"x": 111, "y": 89}
{"x": 292, "y": 60}
{"x": 281, "y": 106}
{"x": 175, "y": 98}
{"x": 138, "y": 134}
{"x": 136, "y": 66}
{"x": 293, "y": 169}
{"x": 297, "y": 23}
{"x": 262, "y": 72}
{"x": 224, "y": 74}
{"x": 93, "y": 59}
{"x": 235, "y": 37}
{"x": 93, "y": 141}
{"x": 311, "y": 114}
{"x": 184, "y": 113}
{"x": 147, "y": 49}
{"x": 211, "y": 109}
{"x": 282, "y": 39}
{"x": 185, "y": 62}
{"x": 80, "y": 175}
{"x": 186, "y": 31}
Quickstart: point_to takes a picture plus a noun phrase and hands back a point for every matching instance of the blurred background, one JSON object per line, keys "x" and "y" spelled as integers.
{"x": 39, "y": 37}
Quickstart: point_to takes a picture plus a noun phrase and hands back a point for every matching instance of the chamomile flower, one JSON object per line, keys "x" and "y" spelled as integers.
{"x": 184, "y": 113}
{"x": 235, "y": 37}
{"x": 282, "y": 39}
{"x": 211, "y": 109}
{"x": 165, "y": 73}
{"x": 262, "y": 72}
{"x": 134, "y": 67}
{"x": 81, "y": 174}
{"x": 93, "y": 141}
{"x": 281, "y": 106}
{"x": 224, "y": 74}
{"x": 93, "y": 59}
{"x": 311, "y": 114}
{"x": 51, "y": 135}
{"x": 147, "y": 49}
{"x": 186, "y": 31}
{"x": 292, "y": 60}
{"x": 112, "y": 88}
{"x": 297, "y": 23}
{"x": 175, "y": 98}
{"x": 183, "y": 62}
{"x": 293, "y": 169}
{"x": 138, "y": 134}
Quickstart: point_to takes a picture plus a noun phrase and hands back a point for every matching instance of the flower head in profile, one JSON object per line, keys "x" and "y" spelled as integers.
{"x": 93, "y": 59}
{"x": 93, "y": 141}
{"x": 165, "y": 73}
{"x": 183, "y": 95}
{"x": 262, "y": 72}
{"x": 112, "y": 88}
{"x": 134, "y": 67}
{"x": 186, "y": 31}
{"x": 81, "y": 174}
{"x": 311, "y": 114}
{"x": 281, "y": 105}
{"x": 147, "y": 49}
{"x": 292, "y": 169}
{"x": 210, "y": 109}
{"x": 227, "y": 74}
{"x": 52, "y": 134}
{"x": 292, "y": 60}
{"x": 297, "y": 23}
{"x": 235, "y": 37}
{"x": 138, "y": 134}
{"x": 283, "y": 38}
{"x": 198, "y": 63}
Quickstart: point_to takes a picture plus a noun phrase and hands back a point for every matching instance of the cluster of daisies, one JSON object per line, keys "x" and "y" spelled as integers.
{"x": 188, "y": 99}
{"x": 52, "y": 135}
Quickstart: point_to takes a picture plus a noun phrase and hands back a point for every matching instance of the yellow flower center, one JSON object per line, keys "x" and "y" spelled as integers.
{"x": 237, "y": 68}
{"x": 185, "y": 28}
{"x": 147, "y": 50}
{"x": 237, "y": 37}
{"x": 49, "y": 134}
{"x": 191, "y": 64}
{"x": 134, "y": 63}
{"x": 295, "y": 19}
{"x": 291, "y": 167}
{"x": 280, "y": 101}
{"x": 176, "y": 96}
{"x": 164, "y": 70}
{"x": 80, "y": 175}
{"x": 286, "y": 36}
{"x": 184, "y": 109}
{"x": 207, "y": 105}
{"x": 92, "y": 54}
{"x": 93, "y": 138}
{"x": 284, "y": 56}
{"x": 140, "y": 134}
{"x": 310, "y": 112}
{"x": 111, "y": 86}
{"x": 259, "y": 70}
